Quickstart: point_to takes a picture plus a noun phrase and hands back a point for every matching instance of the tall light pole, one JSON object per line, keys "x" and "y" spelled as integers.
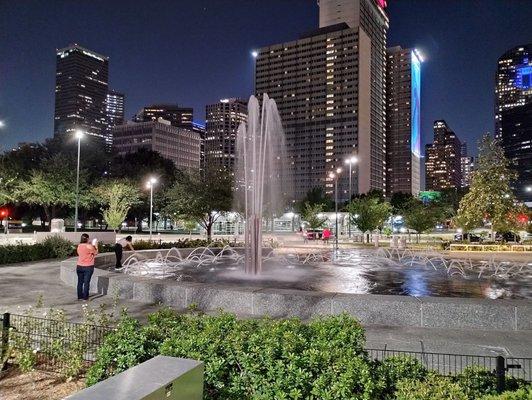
{"x": 79, "y": 135}
{"x": 350, "y": 161}
{"x": 334, "y": 176}
{"x": 151, "y": 182}
{"x": 254, "y": 54}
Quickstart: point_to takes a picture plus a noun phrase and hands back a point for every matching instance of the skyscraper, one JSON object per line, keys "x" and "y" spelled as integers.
{"x": 513, "y": 114}
{"x": 403, "y": 138}
{"x": 181, "y": 117}
{"x": 329, "y": 89}
{"x": 443, "y": 159}
{"x": 81, "y": 89}
{"x": 222, "y": 120}
{"x": 114, "y": 107}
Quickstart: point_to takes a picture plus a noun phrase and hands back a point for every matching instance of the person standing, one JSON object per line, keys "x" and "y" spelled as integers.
{"x": 85, "y": 267}
{"x": 119, "y": 249}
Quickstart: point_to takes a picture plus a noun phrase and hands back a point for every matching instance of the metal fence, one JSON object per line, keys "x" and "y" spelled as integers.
{"x": 453, "y": 364}
{"x": 53, "y": 343}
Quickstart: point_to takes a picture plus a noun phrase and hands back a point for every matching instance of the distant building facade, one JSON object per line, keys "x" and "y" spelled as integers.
{"x": 403, "y": 137}
{"x": 467, "y": 168}
{"x": 222, "y": 120}
{"x": 81, "y": 88}
{"x": 443, "y": 159}
{"x": 513, "y": 114}
{"x": 330, "y": 92}
{"x": 114, "y": 108}
{"x": 181, "y": 117}
{"x": 180, "y": 145}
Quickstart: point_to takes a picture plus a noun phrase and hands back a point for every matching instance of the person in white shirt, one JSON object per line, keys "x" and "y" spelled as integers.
{"x": 119, "y": 249}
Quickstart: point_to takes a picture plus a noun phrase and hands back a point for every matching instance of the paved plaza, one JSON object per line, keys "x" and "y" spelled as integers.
{"x": 22, "y": 285}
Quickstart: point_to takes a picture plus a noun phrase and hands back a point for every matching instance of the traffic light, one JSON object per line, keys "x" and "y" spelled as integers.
{"x": 3, "y": 213}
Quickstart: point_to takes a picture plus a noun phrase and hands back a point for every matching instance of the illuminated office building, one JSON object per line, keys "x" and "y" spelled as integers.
{"x": 443, "y": 168}
{"x": 403, "y": 138}
{"x": 182, "y": 117}
{"x": 81, "y": 88}
{"x": 180, "y": 145}
{"x": 513, "y": 114}
{"x": 222, "y": 120}
{"x": 114, "y": 108}
{"x": 330, "y": 92}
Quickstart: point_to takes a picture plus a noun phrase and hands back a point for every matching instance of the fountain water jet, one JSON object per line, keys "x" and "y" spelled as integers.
{"x": 260, "y": 173}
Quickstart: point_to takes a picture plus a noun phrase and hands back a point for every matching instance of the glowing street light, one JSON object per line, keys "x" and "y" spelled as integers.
{"x": 528, "y": 189}
{"x": 79, "y": 135}
{"x": 254, "y": 55}
{"x": 151, "y": 182}
{"x": 2, "y": 124}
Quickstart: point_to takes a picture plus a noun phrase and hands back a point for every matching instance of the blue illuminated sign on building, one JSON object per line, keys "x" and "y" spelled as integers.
{"x": 415, "y": 140}
{"x": 523, "y": 79}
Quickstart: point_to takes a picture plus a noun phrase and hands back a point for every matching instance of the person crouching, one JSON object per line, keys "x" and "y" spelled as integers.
{"x": 119, "y": 249}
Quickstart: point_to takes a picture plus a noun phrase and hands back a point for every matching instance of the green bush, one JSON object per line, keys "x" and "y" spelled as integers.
{"x": 51, "y": 247}
{"x": 520, "y": 394}
{"x": 59, "y": 247}
{"x": 282, "y": 359}
{"x": 259, "y": 359}
{"x": 434, "y": 387}
{"x": 393, "y": 369}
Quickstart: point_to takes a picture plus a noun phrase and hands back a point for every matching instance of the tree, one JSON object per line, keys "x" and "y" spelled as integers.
{"x": 368, "y": 213}
{"x": 421, "y": 217}
{"x": 311, "y": 215}
{"x": 400, "y": 202}
{"x": 316, "y": 196}
{"x": 118, "y": 197}
{"x": 201, "y": 197}
{"x": 490, "y": 196}
{"x": 53, "y": 186}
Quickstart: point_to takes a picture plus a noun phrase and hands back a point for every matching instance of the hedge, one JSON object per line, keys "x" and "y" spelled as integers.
{"x": 51, "y": 247}
{"x": 280, "y": 359}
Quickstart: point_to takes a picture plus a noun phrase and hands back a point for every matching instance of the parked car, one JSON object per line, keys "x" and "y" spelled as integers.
{"x": 314, "y": 234}
{"x": 466, "y": 236}
{"x": 507, "y": 237}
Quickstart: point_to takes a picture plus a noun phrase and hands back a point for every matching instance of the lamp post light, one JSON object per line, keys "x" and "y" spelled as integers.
{"x": 151, "y": 182}
{"x": 254, "y": 54}
{"x": 528, "y": 189}
{"x": 2, "y": 124}
{"x": 350, "y": 161}
{"x": 334, "y": 176}
{"x": 79, "y": 136}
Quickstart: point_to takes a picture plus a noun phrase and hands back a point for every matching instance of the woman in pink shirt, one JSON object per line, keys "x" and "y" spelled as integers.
{"x": 85, "y": 267}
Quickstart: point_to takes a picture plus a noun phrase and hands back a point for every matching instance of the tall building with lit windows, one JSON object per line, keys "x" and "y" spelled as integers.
{"x": 443, "y": 169}
{"x": 81, "y": 87}
{"x": 222, "y": 120}
{"x": 513, "y": 114}
{"x": 330, "y": 92}
{"x": 181, "y": 117}
{"x": 114, "y": 108}
{"x": 403, "y": 138}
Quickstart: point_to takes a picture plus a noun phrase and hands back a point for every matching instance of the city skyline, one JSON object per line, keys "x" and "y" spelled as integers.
{"x": 133, "y": 71}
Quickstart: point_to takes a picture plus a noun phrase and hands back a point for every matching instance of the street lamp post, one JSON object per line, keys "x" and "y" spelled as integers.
{"x": 254, "y": 54}
{"x": 350, "y": 161}
{"x": 334, "y": 176}
{"x": 151, "y": 182}
{"x": 79, "y": 135}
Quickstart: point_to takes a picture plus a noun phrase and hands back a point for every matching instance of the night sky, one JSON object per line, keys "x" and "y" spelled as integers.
{"x": 195, "y": 52}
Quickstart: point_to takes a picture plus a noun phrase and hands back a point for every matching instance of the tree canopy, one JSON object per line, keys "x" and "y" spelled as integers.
{"x": 368, "y": 213}
{"x": 490, "y": 196}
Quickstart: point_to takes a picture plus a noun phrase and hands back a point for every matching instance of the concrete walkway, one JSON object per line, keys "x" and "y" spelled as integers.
{"x": 22, "y": 285}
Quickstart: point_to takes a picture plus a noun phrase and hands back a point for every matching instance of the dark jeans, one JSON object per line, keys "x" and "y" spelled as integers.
{"x": 84, "y": 281}
{"x": 118, "y": 252}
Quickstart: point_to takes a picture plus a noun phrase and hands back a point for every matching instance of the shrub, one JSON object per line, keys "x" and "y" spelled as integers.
{"x": 259, "y": 359}
{"x": 521, "y": 394}
{"x": 58, "y": 246}
{"x": 390, "y": 371}
{"x": 434, "y": 387}
{"x": 17, "y": 253}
